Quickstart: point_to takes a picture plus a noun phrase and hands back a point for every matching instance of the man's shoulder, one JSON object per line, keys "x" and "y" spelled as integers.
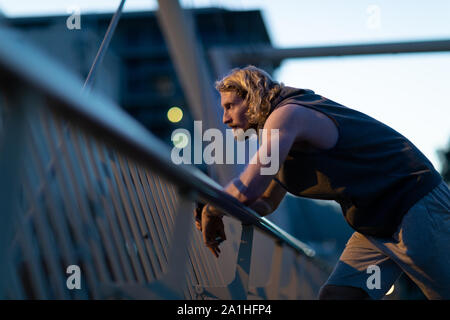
{"x": 289, "y": 112}
{"x": 285, "y": 114}
{"x": 289, "y": 119}
{"x": 305, "y": 123}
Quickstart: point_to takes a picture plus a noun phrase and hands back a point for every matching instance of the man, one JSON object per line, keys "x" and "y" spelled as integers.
{"x": 388, "y": 190}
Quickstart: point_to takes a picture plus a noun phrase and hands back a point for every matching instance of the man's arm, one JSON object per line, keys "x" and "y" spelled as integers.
{"x": 270, "y": 200}
{"x": 294, "y": 123}
{"x": 264, "y": 205}
{"x": 284, "y": 126}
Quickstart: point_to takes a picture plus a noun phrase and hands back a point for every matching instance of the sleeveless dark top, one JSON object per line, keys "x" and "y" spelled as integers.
{"x": 373, "y": 172}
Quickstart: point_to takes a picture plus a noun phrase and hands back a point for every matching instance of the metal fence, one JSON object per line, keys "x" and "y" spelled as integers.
{"x": 85, "y": 185}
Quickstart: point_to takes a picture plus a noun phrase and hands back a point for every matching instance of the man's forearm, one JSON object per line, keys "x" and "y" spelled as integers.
{"x": 261, "y": 207}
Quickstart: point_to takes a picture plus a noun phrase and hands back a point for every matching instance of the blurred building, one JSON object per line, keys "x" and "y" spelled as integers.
{"x": 137, "y": 71}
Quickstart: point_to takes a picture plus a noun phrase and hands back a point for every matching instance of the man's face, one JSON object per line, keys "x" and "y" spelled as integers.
{"x": 234, "y": 109}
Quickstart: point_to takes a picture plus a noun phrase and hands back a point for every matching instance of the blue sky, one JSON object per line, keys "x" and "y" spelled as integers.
{"x": 408, "y": 91}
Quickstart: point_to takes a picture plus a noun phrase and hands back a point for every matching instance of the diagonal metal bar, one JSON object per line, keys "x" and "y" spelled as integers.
{"x": 103, "y": 47}
{"x": 185, "y": 51}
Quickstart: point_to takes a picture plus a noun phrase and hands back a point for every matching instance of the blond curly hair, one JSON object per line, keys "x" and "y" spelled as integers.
{"x": 257, "y": 89}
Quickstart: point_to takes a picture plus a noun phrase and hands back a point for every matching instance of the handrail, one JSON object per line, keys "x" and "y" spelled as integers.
{"x": 107, "y": 121}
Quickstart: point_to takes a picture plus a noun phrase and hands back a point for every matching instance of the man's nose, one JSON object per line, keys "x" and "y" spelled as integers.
{"x": 226, "y": 118}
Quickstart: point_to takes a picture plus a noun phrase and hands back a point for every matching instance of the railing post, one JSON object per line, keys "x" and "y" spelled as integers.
{"x": 238, "y": 288}
{"x": 272, "y": 288}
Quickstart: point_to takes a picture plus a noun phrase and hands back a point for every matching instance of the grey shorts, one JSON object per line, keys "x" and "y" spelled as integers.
{"x": 420, "y": 247}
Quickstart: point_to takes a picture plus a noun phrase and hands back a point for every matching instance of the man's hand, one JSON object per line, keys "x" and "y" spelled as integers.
{"x": 198, "y": 215}
{"x": 213, "y": 230}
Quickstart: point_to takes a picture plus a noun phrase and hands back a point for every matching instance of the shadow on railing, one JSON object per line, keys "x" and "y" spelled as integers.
{"x": 92, "y": 207}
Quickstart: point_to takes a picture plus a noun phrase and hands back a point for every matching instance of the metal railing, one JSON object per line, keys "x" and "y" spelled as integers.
{"x": 89, "y": 186}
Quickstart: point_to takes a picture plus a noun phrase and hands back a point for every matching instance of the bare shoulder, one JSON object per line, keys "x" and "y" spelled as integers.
{"x": 290, "y": 115}
{"x": 284, "y": 116}
{"x": 307, "y": 124}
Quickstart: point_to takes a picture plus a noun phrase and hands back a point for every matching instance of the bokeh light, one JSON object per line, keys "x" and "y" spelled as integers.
{"x": 175, "y": 114}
